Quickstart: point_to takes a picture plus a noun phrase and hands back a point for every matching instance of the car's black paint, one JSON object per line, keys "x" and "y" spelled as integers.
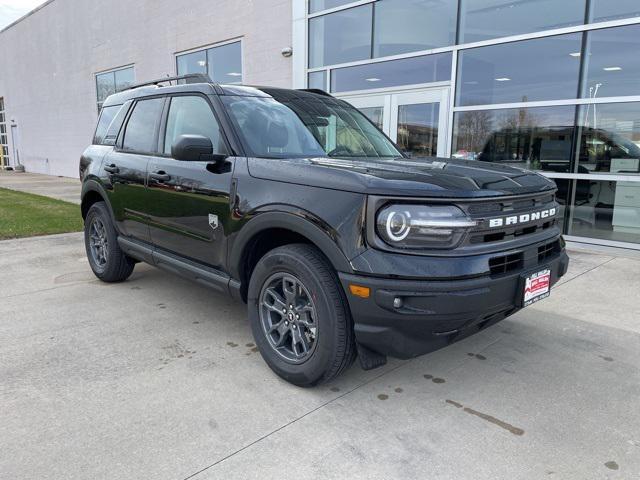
{"x": 162, "y": 210}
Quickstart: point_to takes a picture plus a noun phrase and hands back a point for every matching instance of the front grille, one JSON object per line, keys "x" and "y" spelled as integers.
{"x": 549, "y": 250}
{"x": 484, "y": 212}
{"x": 506, "y": 263}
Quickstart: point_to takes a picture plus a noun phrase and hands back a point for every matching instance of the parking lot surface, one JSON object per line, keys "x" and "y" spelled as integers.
{"x": 158, "y": 378}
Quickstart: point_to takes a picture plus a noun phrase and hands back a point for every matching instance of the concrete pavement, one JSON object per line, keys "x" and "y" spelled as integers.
{"x": 62, "y": 188}
{"x": 158, "y": 378}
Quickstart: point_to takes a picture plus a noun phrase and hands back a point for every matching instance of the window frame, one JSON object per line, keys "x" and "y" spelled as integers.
{"x": 162, "y": 130}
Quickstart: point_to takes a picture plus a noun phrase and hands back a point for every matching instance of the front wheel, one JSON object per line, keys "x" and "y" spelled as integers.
{"x": 299, "y": 316}
{"x": 107, "y": 260}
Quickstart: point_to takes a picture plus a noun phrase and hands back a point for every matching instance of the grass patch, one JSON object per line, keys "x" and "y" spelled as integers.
{"x": 27, "y": 215}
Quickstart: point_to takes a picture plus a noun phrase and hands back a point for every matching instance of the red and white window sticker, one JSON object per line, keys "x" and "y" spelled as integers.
{"x": 537, "y": 286}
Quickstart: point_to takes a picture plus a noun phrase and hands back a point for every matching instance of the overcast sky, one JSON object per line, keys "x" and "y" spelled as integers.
{"x": 11, "y": 10}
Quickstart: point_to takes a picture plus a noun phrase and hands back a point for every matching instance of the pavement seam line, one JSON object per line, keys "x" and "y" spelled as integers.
{"x": 585, "y": 272}
{"x": 282, "y": 427}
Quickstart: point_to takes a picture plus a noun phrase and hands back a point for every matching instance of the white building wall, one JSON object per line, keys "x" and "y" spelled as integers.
{"x": 48, "y": 60}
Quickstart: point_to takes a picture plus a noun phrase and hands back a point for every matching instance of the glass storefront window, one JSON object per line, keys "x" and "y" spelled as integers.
{"x": 603, "y": 10}
{"x": 317, "y": 80}
{"x": 525, "y": 71}
{"x": 375, "y": 114}
{"x": 340, "y": 37}
{"x": 606, "y": 210}
{"x": 418, "y": 129}
{"x": 612, "y": 66}
{"x": 487, "y": 19}
{"x": 538, "y": 138}
{"x": 406, "y": 71}
{"x": 319, "y": 5}
{"x": 609, "y": 139}
{"x": 401, "y": 26}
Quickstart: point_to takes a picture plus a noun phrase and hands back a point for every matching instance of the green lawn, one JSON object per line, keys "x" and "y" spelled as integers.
{"x": 26, "y": 215}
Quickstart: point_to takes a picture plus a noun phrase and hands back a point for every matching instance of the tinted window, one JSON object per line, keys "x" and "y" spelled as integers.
{"x": 107, "y": 114}
{"x": 340, "y": 37}
{"x": 407, "y": 26}
{"x": 602, "y": 10}
{"x": 142, "y": 126}
{"x": 609, "y": 139}
{"x": 534, "y": 138}
{"x": 116, "y": 124}
{"x": 526, "y": 71}
{"x": 407, "y": 71}
{"x": 485, "y": 19}
{"x": 613, "y": 63}
{"x": 192, "y": 116}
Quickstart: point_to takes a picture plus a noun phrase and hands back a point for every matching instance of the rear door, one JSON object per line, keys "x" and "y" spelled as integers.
{"x": 189, "y": 204}
{"x": 126, "y": 168}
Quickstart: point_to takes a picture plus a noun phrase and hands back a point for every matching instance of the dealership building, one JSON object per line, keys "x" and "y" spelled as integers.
{"x": 548, "y": 85}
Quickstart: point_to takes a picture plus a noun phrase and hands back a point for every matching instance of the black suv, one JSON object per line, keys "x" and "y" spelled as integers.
{"x": 294, "y": 202}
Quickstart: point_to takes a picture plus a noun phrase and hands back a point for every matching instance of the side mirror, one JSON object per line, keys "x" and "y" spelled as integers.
{"x": 194, "y": 148}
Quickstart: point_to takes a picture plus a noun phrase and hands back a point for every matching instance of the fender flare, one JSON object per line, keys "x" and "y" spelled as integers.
{"x": 92, "y": 185}
{"x": 309, "y": 228}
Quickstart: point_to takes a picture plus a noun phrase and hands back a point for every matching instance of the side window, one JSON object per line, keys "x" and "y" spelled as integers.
{"x": 140, "y": 133}
{"x": 116, "y": 124}
{"x": 192, "y": 115}
{"x": 106, "y": 117}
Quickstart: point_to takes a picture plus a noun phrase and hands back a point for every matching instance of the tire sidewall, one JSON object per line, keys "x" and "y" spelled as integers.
{"x": 99, "y": 210}
{"x": 313, "y": 369}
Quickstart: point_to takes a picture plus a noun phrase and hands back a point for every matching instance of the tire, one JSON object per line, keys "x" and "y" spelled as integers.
{"x": 324, "y": 323}
{"x": 114, "y": 266}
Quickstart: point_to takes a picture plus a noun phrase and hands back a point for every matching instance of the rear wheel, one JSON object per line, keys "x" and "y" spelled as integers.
{"x": 299, "y": 316}
{"x": 107, "y": 260}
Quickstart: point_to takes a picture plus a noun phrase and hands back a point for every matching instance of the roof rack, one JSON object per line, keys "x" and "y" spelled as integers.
{"x": 190, "y": 78}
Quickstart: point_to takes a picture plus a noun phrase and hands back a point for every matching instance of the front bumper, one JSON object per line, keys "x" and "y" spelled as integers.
{"x": 435, "y": 313}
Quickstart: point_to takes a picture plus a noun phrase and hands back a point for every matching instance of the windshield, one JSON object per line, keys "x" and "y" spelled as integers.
{"x": 305, "y": 125}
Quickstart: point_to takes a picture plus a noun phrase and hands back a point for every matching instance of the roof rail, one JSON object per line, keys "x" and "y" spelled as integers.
{"x": 190, "y": 78}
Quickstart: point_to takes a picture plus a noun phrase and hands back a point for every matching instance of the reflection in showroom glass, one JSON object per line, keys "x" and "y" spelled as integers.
{"x": 612, "y": 67}
{"x": 609, "y": 138}
{"x": 525, "y": 71}
{"x": 535, "y": 138}
{"x": 606, "y": 210}
{"x": 486, "y": 19}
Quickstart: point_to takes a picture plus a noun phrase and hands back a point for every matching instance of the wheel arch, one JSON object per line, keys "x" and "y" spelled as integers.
{"x": 270, "y": 230}
{"x": 93, "y": 192}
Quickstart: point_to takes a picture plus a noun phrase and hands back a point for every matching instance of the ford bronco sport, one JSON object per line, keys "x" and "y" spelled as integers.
{"x": 295, "y": 203}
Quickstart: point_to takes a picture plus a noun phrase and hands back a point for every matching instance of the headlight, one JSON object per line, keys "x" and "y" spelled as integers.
{"x": 415, "y": 227}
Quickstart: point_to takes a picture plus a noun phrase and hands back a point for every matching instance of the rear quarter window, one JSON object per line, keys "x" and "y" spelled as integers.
{"x": 107, "y": 114}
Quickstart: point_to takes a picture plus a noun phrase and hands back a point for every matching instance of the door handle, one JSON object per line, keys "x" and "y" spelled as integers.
{"x": 113, "y": 168}
{"x": 160, "y": 176}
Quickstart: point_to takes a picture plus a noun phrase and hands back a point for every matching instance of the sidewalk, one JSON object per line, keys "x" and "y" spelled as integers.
{"x": 62, "y": 188}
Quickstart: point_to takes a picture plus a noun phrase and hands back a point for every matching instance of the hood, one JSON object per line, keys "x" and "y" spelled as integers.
{"x": 429, "y": 177}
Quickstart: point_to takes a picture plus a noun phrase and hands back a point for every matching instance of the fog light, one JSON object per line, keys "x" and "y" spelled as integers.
{"x": 397, "y": 302}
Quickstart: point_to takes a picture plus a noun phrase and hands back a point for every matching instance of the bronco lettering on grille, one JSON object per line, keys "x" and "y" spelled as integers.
{"x": 522, "y": 218}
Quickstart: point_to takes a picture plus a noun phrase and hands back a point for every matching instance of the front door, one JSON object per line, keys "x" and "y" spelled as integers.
{"x": 189, "y": 206}
{"x": 416, "y": 120}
